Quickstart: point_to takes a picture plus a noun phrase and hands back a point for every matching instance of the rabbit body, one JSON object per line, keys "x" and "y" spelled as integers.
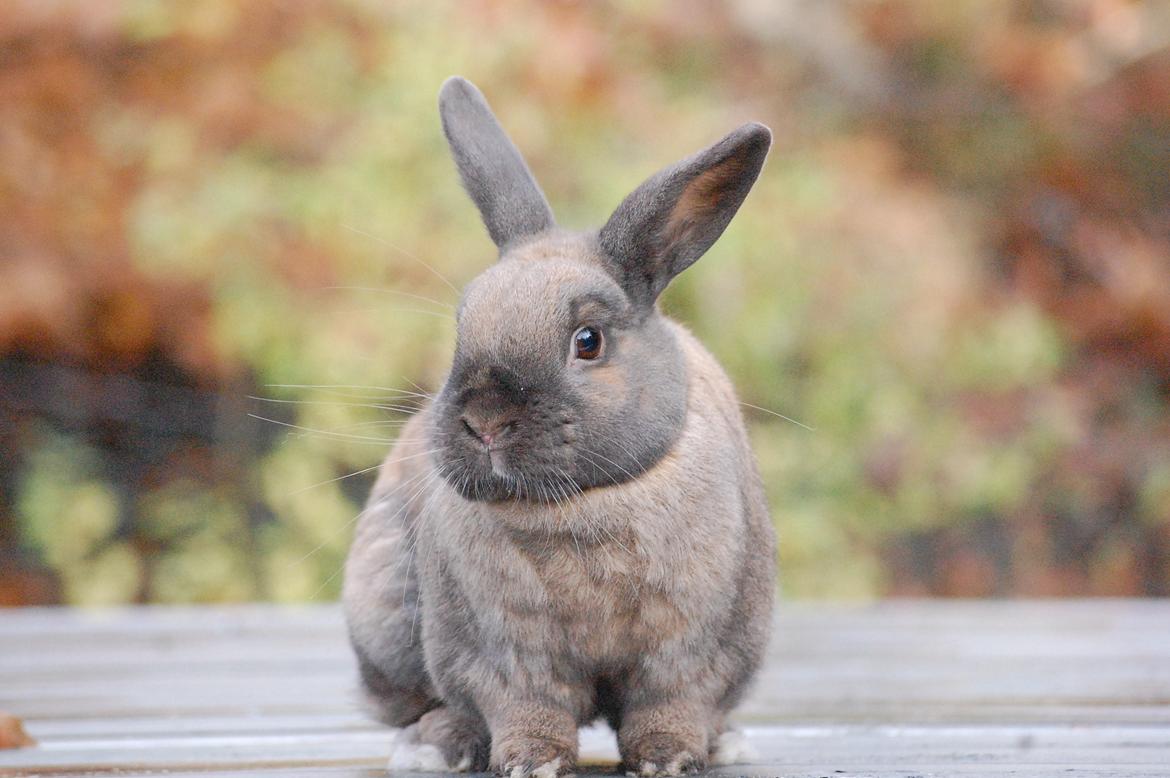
{"x": 561, "y": 536}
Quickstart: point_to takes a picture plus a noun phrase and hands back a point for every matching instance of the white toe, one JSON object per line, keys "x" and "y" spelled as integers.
{"x": 548, "y": 769}
{"x": 733, "y": 748}
{"x": 409, "y": 755}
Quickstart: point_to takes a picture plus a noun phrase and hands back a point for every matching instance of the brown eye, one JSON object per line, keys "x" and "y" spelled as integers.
{"x": 587, "y": 343}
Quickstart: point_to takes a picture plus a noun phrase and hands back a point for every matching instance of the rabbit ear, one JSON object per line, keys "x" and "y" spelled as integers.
{"x": 493, "y": 172}
{"x": 673, "y": 218}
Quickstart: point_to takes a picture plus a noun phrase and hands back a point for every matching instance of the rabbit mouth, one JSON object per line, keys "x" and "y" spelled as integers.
{"x": 491, "y": 477}
{"x": 491, "y": 454}
{"x": 499, "y": 463}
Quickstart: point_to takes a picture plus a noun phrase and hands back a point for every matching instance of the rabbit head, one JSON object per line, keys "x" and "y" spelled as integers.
{"x": 565, "y": 376}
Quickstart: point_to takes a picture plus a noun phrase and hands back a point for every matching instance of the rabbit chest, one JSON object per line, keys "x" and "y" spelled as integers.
{"x": 613, "y": 576}
{"x": 605, "y": 597}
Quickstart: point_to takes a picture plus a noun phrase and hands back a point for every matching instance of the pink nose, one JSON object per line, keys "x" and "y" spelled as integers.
{"x": 486, "y": 431}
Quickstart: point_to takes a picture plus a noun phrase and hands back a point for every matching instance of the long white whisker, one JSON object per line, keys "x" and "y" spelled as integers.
{"x": 421, "y": 389}
{"x": 596, "y": 526}
{"x": 397, "y": 309}
{"x": 405, "y": 253}
{"x": 367, "y": 469}
{"x": 386, "y": 389}
{"x": 363, "y": 471}
{"x": 340, "y": 404}
{"x": 414, "y": 617}
{"x": 377, "y": 503}
{"x": 393, "y": 291}
{"x": 585, "y": 453}
{"x": 412, "y": 532}
{"x": 326, "y": 582}
{"x": 628, "y": 454}
{"x": 607, "y": 459}
{"x": 326, "y": 433}
{"x": 389, "y": 424}
{"x": 778, "y": 415}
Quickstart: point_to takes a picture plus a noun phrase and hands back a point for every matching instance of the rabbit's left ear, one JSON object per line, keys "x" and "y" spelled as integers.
{"x": 676, "y": 215}
{"x": 493, "y": 172}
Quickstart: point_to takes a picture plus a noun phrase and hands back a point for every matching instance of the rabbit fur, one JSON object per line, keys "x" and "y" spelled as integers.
{"x": 557, "y": 539}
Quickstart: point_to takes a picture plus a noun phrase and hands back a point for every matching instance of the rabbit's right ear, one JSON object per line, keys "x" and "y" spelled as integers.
{"x": 673, "y": 218}
{"x": 493, "y": 172}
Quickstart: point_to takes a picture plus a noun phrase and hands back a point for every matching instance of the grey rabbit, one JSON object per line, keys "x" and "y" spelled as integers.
{"x": 574, "y": 527}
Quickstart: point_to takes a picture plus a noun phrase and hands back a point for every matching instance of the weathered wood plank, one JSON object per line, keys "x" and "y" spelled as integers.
{"x": 906, "y": 688}
{"x": 851, "y": 748}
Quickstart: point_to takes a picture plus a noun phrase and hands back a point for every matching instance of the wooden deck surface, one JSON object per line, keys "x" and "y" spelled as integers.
{"x": 896, "y": 689}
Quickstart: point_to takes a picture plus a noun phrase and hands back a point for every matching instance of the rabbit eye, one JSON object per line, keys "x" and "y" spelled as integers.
{"x": 587, "y": 343}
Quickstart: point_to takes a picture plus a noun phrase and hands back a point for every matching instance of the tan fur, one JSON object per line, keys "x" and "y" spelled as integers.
{"x": 566, "y": 534}
{"x": 635, "y": 582}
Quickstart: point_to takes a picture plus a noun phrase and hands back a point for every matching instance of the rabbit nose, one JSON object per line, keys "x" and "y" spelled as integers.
{"x": 487, "y": 430}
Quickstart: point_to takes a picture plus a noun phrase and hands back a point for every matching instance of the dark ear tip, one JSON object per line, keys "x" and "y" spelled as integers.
{"x": 458, "y": 88}
{"x": 755, "y": 134}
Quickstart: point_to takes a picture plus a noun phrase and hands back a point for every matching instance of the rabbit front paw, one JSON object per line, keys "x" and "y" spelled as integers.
{"x": 531, "y": 757}
{"x": 662, "y": 754}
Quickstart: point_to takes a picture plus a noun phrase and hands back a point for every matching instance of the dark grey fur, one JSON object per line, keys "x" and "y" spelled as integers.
{"x": 493, "y": 172}
{"x": 610, "y": 552}
{"x": 646, "y": 252}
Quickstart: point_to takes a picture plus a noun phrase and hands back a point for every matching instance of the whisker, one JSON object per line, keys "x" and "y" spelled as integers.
{"x": 401, "y": 512}
{"x": 388, "y": 423}
{"x": 365, "y": 470}
{"x": 598, "y": 526}
{"x": 778, "y": 415}
{"x": 607, "y": 459}
{"x": 437, "y": 474}
{"x": 352, "y": 386}
{"x": 340, "y": 404}
{"x": 326, "y": 582}
{"x": 392, "y": 291}
{"x": 397, "y": 513}
{"x": 355, "y": 518}
{"x": 585, "y": 453}
{"x": 405, "y": 253}
{"x": 377, "y": 503}
{"x": 399, "y": 309}
{"x": 628, "y": 454}
{"x": 420, "y": 389}
{"x": 326, "y": 433}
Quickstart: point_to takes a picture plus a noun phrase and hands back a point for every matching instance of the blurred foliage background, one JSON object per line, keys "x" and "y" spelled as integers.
{"x": 955, "y": 269}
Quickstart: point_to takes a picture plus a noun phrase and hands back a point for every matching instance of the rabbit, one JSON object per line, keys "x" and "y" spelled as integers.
{"x": 574, "y": 527}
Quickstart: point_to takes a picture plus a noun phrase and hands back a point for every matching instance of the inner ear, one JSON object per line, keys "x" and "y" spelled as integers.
{"x": 702, "y": 198}
{"x": 677, "y": 214}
